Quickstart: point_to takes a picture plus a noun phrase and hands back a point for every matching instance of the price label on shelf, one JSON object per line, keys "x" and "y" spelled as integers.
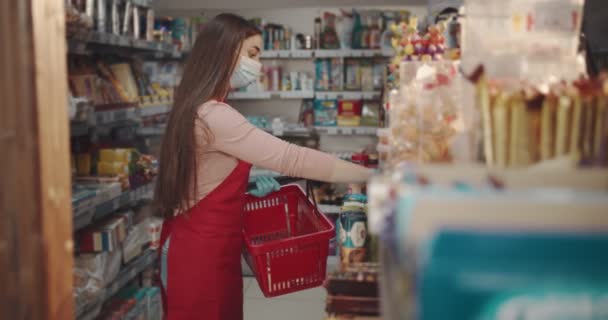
{"x": 332, "y": 130}
{"x": 347, "y": 131}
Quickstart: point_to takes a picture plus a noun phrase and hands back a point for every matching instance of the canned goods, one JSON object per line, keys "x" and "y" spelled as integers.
{"x": 351, "y": 229}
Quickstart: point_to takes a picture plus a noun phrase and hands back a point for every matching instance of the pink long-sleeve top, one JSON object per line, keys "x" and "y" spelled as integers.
{"x": 231, "y": 137}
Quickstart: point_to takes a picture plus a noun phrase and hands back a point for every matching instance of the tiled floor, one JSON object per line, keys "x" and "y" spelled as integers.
{"x": 304, "y": 305}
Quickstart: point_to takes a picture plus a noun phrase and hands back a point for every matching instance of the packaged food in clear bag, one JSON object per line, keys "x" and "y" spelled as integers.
{"x": 523, "y": 39}
{"x": 423, "y": 117}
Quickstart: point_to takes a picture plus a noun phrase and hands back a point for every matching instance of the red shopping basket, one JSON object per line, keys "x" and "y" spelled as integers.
{"x": 286, "y": 241}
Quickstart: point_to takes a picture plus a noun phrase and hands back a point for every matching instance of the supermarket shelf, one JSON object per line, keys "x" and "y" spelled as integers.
{"x": 78, "y": 40}
{"x": 271, "y": 95}
{"x": 126, "y": 275}
{"x": 287, "y": 54}
{"x": 151, "y": 131}
{"x": 79, "y": 128}
{"x": 249, "y": 95}
{"x": 100, "y": 207}
{"x": 291, "y": 130}
{"x": 353, "y": 53}
{"x": 324, "y": 53}
{"x": 153, "y": 110}
{"x": 143, "y": 3}
{"x": 347, "y": 131}
{"x": 348, "y": 95}
{"x": 118, "y": 115}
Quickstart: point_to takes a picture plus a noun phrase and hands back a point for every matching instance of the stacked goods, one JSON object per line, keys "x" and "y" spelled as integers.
{"x": 104, "y": 236}
{"x": 353, "y": 292}
{"x": 351, "y": 230}
{"x": 524, "y": 124}
{"x": 126, "y": 166}
{"x": 79, "y": 14}
{"x": 134, "y": 303}
{"x": 411, "y": 45}
{"x": 491, "y": 240}
{"x": 110, "y": 85}
{"x": 423, "y": 114}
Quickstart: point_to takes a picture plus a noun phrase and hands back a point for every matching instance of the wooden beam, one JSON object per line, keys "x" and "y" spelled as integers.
{"x": 36, "y": 255}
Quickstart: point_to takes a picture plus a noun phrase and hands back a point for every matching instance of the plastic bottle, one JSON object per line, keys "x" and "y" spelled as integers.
{"x": 318, "y": 33}
{"x": 357, "y": 30}
{"x": 375, "y": 34}
{"x": 365, "y": 34}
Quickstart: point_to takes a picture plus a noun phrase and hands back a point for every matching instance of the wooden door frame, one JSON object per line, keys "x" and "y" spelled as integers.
{"x": 36, "y": 246}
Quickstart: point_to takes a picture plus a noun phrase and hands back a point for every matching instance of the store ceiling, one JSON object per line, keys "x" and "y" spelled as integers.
{"x": 263, "y": 4}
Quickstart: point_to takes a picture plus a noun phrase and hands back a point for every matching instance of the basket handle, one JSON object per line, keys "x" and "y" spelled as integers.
{"x": 310, "y": 193}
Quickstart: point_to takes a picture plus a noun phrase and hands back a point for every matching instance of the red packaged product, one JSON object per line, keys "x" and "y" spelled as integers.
{"x": 360, "y": 158}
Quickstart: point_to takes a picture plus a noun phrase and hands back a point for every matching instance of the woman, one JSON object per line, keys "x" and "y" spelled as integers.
{"x": 206, "y": 156}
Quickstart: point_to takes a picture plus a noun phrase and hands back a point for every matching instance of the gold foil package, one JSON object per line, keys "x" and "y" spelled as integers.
{"x": 523, "y": 124}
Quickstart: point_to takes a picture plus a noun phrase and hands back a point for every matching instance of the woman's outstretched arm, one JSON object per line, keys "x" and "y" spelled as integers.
{"x": 234, "y": 135}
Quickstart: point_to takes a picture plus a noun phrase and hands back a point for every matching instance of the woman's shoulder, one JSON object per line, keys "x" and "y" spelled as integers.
{"x": 216, "y": 110}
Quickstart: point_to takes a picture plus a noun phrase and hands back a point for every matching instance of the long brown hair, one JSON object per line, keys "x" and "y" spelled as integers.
{"x": 207, "y": 73}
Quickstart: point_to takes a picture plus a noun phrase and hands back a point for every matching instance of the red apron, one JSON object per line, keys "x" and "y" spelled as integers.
{"x": 204, "y": 279}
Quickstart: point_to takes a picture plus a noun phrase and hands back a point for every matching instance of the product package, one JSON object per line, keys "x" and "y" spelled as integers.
{"x": 336, "y": 74}
{"x": 321, "y": 75}
{"x": 484, "y": 236}
{"x": 132, "y": 246}
{"x": 329, "y": 36}
{"x": 349, "y": 113}
{"x": 104, "y": 236}
{"x": 535, "y": 41}
{"x": 523, "y": 125}
{"x": 367, "y": 76}
{"x": 326, "y": 112}
{"x": 371, "y": 114}
{"x": 353, "y": 74}
{"x": 426, "y": 114}
{"x": 378, "y": 74}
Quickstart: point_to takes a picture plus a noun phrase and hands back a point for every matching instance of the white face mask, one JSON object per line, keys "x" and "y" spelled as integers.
{"x": 246, "y": 72}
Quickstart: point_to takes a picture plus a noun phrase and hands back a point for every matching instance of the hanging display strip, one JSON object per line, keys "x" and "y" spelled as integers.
{"x": 348, "y": 95}
{"x": 104, "y": 203}
{"x": 153, "y": 110}
{"x": 354, "y": 53}
{"x": 362, "y": 131}
{"x": 143, "y": 3}
{"x": 287, "y": 54}
{"x": 339, "y": 53}
{"x": 126, "y": 275}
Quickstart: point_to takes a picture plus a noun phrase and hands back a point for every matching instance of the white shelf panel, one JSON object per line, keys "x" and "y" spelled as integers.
{"x": 287, "y": 54}
{"x": 348, "y": 131}
{"x": 249, "y": 95}
{"x": 348, "y": 95}
{"x": 326, "y": 53}
{"x": 79, "y": 39}
{"x": 271, "y": 95}
{"x": 295, "y": 94}
{"x": 112, "y": 116}
{"x": 152, "y": 110}
{"x": 353, "y": 53}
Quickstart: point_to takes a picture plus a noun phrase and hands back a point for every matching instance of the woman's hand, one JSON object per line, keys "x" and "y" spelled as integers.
{"x": 264, "y": 186}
